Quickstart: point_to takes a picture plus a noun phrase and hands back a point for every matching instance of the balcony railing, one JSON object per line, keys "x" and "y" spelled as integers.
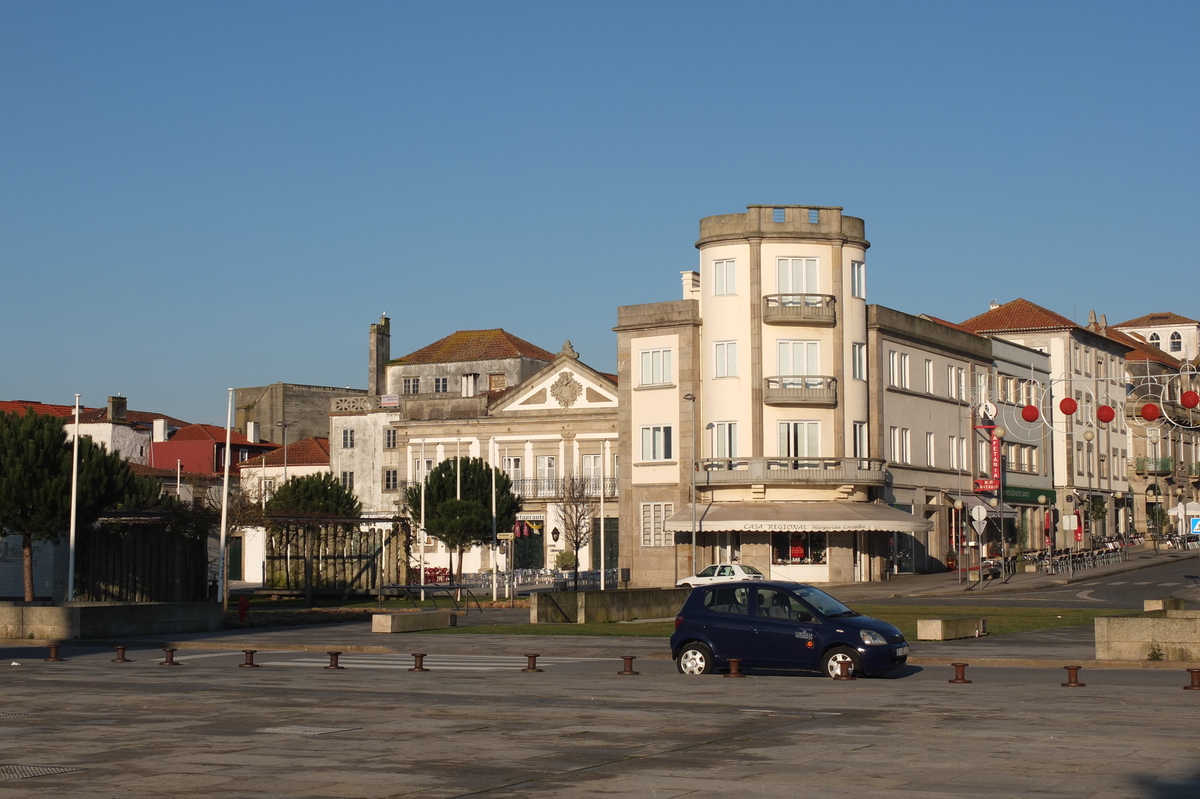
{"x": 799, "y": 309}
{"x": 1155, "y": 465}
{"x": 552, "y": 487}
{"x": 794, "y": 471}
{"x": 800, "y": 390}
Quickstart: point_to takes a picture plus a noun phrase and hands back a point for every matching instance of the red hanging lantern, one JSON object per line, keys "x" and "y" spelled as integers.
{"x": 1068, "y": 406}
{"x": 1150, "y": 412}
{"x": 1029, "y": 413}
{"x": 1190, "y": 399}
{"x": 1106, "y": 414}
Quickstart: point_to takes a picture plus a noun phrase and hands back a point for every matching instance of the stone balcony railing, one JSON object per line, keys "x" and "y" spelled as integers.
{"x": 799, "y": 309}
{"x": 791, "y": 471}
{"x": 800, "y": 390}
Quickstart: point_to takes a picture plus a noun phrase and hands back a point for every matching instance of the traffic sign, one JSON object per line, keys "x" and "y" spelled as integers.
{"x": 979, "y": 525}
{"x": 505, "y": 536}
{"x": 1196, "y": 526}
{"x": 979, "y": 513}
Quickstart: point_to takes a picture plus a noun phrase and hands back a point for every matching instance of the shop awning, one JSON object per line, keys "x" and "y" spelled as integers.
{"x": 796, "y": 517}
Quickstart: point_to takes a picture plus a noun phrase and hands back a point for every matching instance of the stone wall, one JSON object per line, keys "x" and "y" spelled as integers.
{"x": 579, "y": 607}
{"x": 1172, "y": 635}
{"x": 107, "y": 619}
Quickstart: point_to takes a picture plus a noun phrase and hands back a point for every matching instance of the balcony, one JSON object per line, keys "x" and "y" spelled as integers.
{"x": 1155, "y": 465}
{"x": 552, "y": 487}
{"x": 791, "y": 471}
{"x": 800, "y": 390}
{"x": 799, "y": 309}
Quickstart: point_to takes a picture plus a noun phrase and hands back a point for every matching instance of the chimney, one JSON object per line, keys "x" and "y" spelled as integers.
{"x": 252, "y": 431}
{"x": 691, "y": 285}
{"x": 380, "y": 345}
{"x": 1092, "y": 319}
{"x": 116, "y": 409}
{"x": 993, "y": 305}
{"x": 160, "y": 430}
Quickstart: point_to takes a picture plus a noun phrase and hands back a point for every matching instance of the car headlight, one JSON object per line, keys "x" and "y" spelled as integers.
{"x": 872, "y": 638}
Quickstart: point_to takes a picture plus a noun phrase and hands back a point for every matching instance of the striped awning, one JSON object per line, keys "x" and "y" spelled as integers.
{"x": 796, "y": 517}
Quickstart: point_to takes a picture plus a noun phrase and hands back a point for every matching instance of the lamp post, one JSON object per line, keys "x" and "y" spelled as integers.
{"x": 692, "y": 497}
{"x": 958, "y": 539}
{"x": 999, "y": 433}
{"x": 1088, "y": 436}
{"x": 1047, "y": 534}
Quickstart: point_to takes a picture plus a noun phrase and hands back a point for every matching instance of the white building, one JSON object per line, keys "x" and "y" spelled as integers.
{"x": 1176, "y": 335}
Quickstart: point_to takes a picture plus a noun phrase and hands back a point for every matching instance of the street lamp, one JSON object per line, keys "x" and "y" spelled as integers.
{"x": 999, "y": 433}
{"x": 1047, "y": 535}
{"x": 1088, "y": 436}
{"x": 958, "y": 538}
{"x": 691, "y": 398}
{"x": 284, "y": 425}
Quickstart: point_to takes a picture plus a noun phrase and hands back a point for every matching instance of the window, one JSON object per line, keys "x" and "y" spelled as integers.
{"x": 861, "y": 447}
{"x": 591, "y": 466}
{"x": 389, "y": 438}
{"x": 347, "y": 439}
{"x": 724, "y": 278}
{"x": 654, "y": 514}
{"x": 928, "y": 376}
{"x": 956, "y": 382}
{"x": 656, "y": 443}
{"x": 797, "y": 548}
{"x": 421, "y": 468}
{"x": 930, "y": 457}
{"x": 901, "y": 438}
{"x": 411, "y": 385}
{"x": 656, "y": 367}
{"x": 1176, "y": 342}
{"x": 1079, "y": 458}
{"x": 1089, "y": 460}
{"x": 724, "y": 440}
{"x": 348, "y": 481}
{"x": 1103, "y": 467}
{"x": 441, "y": 385}
{"x": 898, "y": 369}
{"x": 858, "y": 279}
{"x": 470, "y": 385}
{"x": 799, "y": 440}
{"x": 796, "y": 276}
{"x": 778, "y": 214}
{"x": 725, "y": 359}
{"x": 497, "y": 382}
{"x": 512, "y": 467}
{"x": 954, "y": 462}
{"x": 858, "y": 361}
{"x": 547, "y": 467}
{"x": 390, "y": 480}
{"x": 814, "y": 216}
{"x": 983, "y": 457}
{"x": 798, "y": 358}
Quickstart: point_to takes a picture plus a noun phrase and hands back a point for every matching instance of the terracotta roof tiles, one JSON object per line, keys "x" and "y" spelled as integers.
{"x": 1162, "y": 318}
{"x": 476, "y": 345}
{"x": 312, "y": 451}
{"x": 1018, "y": 315}
{"x": 1142, "y": 350}
{"x": 210, "y": 432}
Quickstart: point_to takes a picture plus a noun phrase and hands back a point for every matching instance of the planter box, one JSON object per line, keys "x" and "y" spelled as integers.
{"x": 412, "y": 622}
{"x": 950, "y": 628}
{"x": 1167, "y": 634}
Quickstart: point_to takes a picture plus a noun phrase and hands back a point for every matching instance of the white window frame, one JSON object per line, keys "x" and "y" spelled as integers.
{"x": 805, "y": 271}
{"x": 861, "y": 443}
{"x": 897, "y": 369}
{"x": 547, "y": 467}
{"x": 858, "y": 279}
{"x": 928, "y": 376}
{"x": 931, "y": 450}
{"x": 658, "y": 443}
{"x": 512, "y": 467}
{"x": 786, "y": 351}
{"x": 725, "y": 359}
{"x": 858, "y": 361}
{"x": 655, "y": 367}
{"x": 799, "y": 438}
{"x": 724, "y": 277}
{"x": 724, "y": 440}
{"x": 348, "y": 438}
{"x": 410, "y": 385}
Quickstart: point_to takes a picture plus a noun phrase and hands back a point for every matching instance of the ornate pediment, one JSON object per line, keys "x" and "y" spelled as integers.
{"x": 565, "y": 384}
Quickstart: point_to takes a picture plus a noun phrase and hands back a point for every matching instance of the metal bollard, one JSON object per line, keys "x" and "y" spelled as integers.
{"x": 843, "y": 671}
{"x": 960, "y": 673}
{"x": 120, "y": 658}
{"x": 735, "y": 668}
{"x": 1195, "y": 686}
{"x": 419, "y": 662}
{"x": 532, "y": 664}
{"x": 628, "y": 659}
{"x": 249, "y": 664}
{"x": 170, "y": 658}
{"x": 1073, "y": 677}
{"x": 54, "y": 658}
{"x": 333, "y": 660}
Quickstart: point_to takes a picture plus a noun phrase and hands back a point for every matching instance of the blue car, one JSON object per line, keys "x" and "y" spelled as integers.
{"x": 781, "y": 626}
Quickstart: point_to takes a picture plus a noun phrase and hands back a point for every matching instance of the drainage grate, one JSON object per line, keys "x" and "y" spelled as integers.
{"x": 302, "y": 729}
{"x": 16, "y": 772}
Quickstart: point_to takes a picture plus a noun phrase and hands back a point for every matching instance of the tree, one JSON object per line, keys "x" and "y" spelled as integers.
{"x": 315, "y": 497}
{"x": 577, "y": 510}
{"x": 461, "y": 523}
{"x": 466, "y": 479}
{"x": 35, "y": 483}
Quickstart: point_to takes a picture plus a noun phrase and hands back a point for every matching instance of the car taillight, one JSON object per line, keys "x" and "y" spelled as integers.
{"x": 678, "y": 621}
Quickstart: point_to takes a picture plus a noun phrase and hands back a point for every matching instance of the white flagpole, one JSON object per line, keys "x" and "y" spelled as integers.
{"x": 603, "y": 453}
{"x": 225, "y": 501}
{"x": 495, "y": 549}
{"x": 423, "y": 475}
{"x": 74, "y": 507}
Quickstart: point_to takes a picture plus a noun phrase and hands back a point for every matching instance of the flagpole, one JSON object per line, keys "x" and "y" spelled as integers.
{"x": 603, "y": 453}
{"x": 495, "y": 551}
{"x": 423, "y": 480}
{"x": 74, "y": 507}
{"x": 221, "y": 592}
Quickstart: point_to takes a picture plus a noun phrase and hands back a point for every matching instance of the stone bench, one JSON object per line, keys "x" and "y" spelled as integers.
{"x": 412, "y": 622}
{"x": 950, "y": 628}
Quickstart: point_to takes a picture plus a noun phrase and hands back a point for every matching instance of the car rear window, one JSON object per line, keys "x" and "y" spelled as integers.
{"x": 728, "y": 599}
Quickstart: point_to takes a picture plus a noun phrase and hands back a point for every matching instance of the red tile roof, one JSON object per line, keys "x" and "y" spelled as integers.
{"x": 950, "y": 325}
{"x": 210, "y": 432}
{"x": 98, "y": 415}
{"x": 1158, "y": 319}
{"x": 312, "y": 451}
{"x": 40, "y": 408}
{"x": 1017, "y": 316}
{"x": 476, "y": 345}
{"x": 1142, "y": 350}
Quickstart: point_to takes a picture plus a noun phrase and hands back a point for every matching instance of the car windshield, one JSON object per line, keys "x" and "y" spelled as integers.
{"x": 826, "y": 605}
{"x": 751, "y": 570}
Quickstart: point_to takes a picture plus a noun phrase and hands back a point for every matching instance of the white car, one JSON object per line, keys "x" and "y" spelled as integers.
{"x": 721, "y": 573}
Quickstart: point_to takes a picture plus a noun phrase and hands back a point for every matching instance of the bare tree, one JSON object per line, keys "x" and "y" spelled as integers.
{"x": 579, "y": 507}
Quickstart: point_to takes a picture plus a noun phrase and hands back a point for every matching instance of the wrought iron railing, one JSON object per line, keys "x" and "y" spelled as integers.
{"x": 810, "y": 471}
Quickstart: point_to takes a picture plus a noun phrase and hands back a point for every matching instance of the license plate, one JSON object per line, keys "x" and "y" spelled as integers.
{"x": 902, "y": 651}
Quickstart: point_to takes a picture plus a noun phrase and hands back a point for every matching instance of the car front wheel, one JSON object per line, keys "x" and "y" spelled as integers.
{"x": 695, "y": 658}
{"x": 838, "y": 655}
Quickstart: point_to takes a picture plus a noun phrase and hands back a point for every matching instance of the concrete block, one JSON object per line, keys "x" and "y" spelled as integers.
{"x": 950, "y": 628}
{"x": 1169, "y": 603}
{"x": 70, "y": 620}
{"x": 412, "y": 622}
{"x": 1160, "y": 635}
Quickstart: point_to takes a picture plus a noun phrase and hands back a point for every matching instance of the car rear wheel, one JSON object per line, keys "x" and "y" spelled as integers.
{"x": 695, "y": 658}
{"x": 838, "y": 655}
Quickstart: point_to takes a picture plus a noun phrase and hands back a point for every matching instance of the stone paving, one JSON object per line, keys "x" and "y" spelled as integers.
{"x": 210, "y": 728}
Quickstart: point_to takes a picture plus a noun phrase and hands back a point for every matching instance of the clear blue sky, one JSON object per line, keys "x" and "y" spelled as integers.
{"x": 212, "y": 194}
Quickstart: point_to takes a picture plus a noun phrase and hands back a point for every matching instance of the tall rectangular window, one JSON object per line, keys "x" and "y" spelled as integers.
{"x": 547, "y": 467}
{"x": 656, "y": 443}
{"x": 928, "y": 376}
{"x": 952, "y": 450}
{"x": 799, "y": 439}
{"x": 861, "y": 446}
{"x": 391, "y": 479}
{"x": 347, "y": 439}
{"x": 901, "y": 440}
{"x": 725, "y": 359}
{"x": 389, "y": 438}
{"x": 898, "y": 369}
{"x": 441, "y": 385}
{"x": 591, "y": 466}
{"x": 654, "y": 516}
{"x": 858, "y": 361}
{"x": 858, "y": 279}
{"x": 796, "y": 359}
{"x": 797, "y": 276}
{"x": 421, "y": 468}
{"x": 724, "y": 440}
{"x": 411, "y": 385}
{"x": 512, "y": 467}
{"x": 930, "y": 453}
{"x": 656, "y": 367}
{"x": 724, "y": 277}
{"x": 348, "y": 481}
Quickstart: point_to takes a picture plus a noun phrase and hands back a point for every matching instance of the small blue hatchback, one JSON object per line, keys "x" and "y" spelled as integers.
{"x": 773, "y": 625}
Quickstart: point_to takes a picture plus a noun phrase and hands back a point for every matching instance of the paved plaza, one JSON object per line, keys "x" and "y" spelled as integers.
{"x": 476, "y": 725}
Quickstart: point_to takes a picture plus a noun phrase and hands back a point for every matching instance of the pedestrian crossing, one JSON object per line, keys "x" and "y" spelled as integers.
{"x": 433, "y": 662}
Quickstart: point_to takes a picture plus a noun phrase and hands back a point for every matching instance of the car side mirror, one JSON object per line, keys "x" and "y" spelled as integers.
{"x": 804, "y": 616}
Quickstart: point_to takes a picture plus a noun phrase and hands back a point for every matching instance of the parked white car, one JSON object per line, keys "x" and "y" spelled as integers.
{"x": 721, "y": 573}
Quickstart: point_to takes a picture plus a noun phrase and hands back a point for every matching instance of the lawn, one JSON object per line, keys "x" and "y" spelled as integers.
{"x": 999, "y": 620}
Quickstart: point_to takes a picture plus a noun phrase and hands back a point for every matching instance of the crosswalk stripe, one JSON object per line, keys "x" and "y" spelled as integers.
{"x": 1141, "y": 583}
{"x": 1167, "y": 585}
{"x": 1122, "y": 582}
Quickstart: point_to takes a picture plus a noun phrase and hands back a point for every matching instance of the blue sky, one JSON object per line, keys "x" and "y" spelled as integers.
{"x": 216, "y": 194}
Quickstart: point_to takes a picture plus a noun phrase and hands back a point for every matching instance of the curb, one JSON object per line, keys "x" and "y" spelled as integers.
{"x": 1043, "y": 663}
